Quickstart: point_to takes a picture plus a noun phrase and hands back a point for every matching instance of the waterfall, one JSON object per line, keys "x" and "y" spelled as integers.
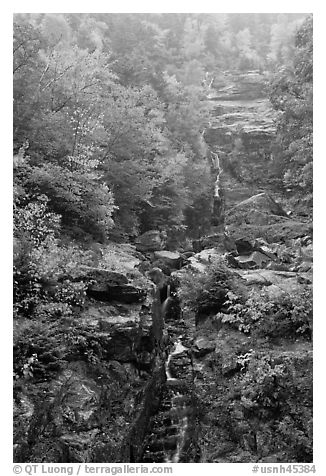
{"x": 178, "y": 409}
{"x": 167, "y": 300}
{"x": 218, "y": 205}
{"x": 218, "y": 202}
{"x": 167, "y": 369}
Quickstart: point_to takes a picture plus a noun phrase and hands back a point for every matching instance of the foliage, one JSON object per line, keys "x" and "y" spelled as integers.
{"x": 288, "y": 315}
{"x": 263, "y": 409}
{"x": 40, "y": 262}
{"x": 291, "y": 94}
{"x": 112, "y": 111}
{"x": 272, "y": 390}
{"x": 109, "y": 101}
{"x": 205, "y": 293}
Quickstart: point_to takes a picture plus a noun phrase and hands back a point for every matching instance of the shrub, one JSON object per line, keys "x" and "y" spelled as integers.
{"x": 287, "y": 315}
{"x": 205, "y": 293}
{"x": 45, "y": 271}
{"x": 266, "y": 408}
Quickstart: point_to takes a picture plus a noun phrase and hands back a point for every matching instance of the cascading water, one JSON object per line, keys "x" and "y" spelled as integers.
{"x": 168, "y": 439}
{"x": 178, "y": 409}
{"x": 167, "y": 301}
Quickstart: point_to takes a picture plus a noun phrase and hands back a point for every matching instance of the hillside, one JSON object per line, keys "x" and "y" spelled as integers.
{"x": 163, "y": 246}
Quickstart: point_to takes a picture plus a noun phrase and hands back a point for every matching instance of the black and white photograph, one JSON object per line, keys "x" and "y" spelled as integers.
{"x": 162, "y": 241}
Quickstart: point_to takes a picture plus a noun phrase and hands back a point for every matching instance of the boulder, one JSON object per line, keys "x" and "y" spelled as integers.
{"x": 220, "y": 241}
{"x": 105, "y": 285}
{"x": 279, "y": 230}
{"x": 203, "y": 346}
{"x": 188, "y": 254}
{"x": 125, "y": 293}
{"x": 275, "y": 283}
{"x": 103, "y": 277}
{"x": 181, "y": 366}
{"x": 262, "y": 202}
{"x": 170, "y": 259}
{"x": 278, "y": 266}
{"x": 254, "y": 261}
{"x": 259, "y": 210}
{"x": 265, "y": 249}
{"x": 243, "y": 246}
{"x": 152, "y": 240}
{"x": 211, "y": 323}
{"x": 305, "y": 266}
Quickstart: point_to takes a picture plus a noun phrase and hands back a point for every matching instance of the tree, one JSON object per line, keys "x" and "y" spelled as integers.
{"x": 291, "y": 94}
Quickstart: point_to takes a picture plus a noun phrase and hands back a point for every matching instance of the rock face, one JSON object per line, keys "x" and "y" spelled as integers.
{"x": 203, "y": 346}
{"x": 96, "y": 379}
{"x": 241, "y": 132}
{"x": 277, "y": 230}
{"x": 254, "y": 260}
{"x": 232, "y": 361}
{"x": 152, "y": 240}
{"x": 219, "y": 241}
{"x": 276, "y": 283}
{"x": 239, "y": 103}
{"x": 123, "y": 293}
{"x": 262, "y": 202}
{"x": 170, "y": 259}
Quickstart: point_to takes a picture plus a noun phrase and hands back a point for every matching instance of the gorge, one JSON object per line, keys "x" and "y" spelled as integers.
{"x": 128, "y": 383}
{"x": 163, "y": 238}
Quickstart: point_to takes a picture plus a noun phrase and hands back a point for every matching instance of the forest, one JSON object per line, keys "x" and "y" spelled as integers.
{"x": 162, "y": 205}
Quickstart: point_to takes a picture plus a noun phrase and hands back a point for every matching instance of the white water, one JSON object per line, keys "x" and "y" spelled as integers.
{"x": 167, "y": 369}
{"x": 177, "y": 350}
{"x": 166, "y": 301}
{"x": 181, "y": 439}
{"x": 182, "y": 422}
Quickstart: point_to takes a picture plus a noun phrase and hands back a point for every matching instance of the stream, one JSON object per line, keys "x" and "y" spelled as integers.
{"x": 169, "y": 433}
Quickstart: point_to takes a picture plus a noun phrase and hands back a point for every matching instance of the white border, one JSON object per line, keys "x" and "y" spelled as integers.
{"x": 248, "y": 6}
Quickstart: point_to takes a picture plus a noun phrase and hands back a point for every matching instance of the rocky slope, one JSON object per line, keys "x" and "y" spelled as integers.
{"x": 93, "y": 381}
{"x": 246, "y": 353}
{"x": 241, "y": 132}
{"x": 199, "y": 354}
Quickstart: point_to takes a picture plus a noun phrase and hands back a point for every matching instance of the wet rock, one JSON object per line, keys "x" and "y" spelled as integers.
{"x": 110, "y": 376}
{"x": 122, "y": 293}
{"x": 219, "y": 241}
{"x": 109, "y": 286}
{"x": 278, "y": 230}
{"x": 170, "y": 442}
{"x": 231, "y": 260}
{"x": 230, "y": 365}
{"x": 170, "y": 259}
{"x": 210, "y": 322}
{"x": 110, "y": 278}
{"x": 152, "y": 240}
{"x": 180, "y": 366}
{"x": 200, "y": 261}
{"x": 254, "y": 260}
{"x": 243, "y": 246}
{"x": 262, "y": 202}
{"x": 203, "y": 346}
{"x": 279, "y": 266}
{"x": 304, "y": 267}
{"x": 188, "y": 254}
{"x": 259, "y": 211}
{"x": 306, "y": 240}
{"x": 178, "y": 385}
{"x": 275, "y": 283}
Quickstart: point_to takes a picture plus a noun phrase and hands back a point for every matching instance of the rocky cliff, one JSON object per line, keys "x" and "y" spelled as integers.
{"x": 94, "y": 380}
{"x": 201, "y": 354}
{"x": 241, "y": 132}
